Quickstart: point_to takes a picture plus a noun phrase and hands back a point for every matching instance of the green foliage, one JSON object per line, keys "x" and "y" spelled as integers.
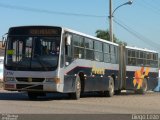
{"x": 104, "y": 34}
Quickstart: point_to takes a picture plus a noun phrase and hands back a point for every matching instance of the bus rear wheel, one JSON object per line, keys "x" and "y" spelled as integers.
{"x": 110, "y": 91}
{"x": 77, "y": 93}
{"x": 144, "y": 88}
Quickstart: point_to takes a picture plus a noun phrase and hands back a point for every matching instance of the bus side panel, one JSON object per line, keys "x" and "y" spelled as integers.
{"x": 141, "y": 65}
{"x": 152, "y": 79}
{"x": 91, "y": 82}
{"x": 101, "y": 82}
{"x": 96, "y": 84}
{"x": 129, "y": 80}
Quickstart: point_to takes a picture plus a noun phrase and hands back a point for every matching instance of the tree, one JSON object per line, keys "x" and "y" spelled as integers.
{"x": 104, "y": 34}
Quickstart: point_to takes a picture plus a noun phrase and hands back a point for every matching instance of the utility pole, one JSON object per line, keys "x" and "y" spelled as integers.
{"x": 111, "y": 17}
{"x": 110, "y": 21}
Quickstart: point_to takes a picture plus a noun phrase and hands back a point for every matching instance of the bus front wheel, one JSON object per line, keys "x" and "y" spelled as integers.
{"x": 77, "y": 93}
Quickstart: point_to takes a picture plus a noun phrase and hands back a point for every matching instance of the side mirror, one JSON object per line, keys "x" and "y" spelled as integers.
{"x": 4, "y": 39}
{"x": 68, "y": 39}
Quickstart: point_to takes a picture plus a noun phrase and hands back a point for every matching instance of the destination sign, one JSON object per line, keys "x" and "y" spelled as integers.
{"x": 44, "y": 32}
{"x": 35, "y": 31}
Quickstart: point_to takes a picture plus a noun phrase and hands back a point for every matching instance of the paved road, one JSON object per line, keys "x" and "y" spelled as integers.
{"x": 126, "y": 103}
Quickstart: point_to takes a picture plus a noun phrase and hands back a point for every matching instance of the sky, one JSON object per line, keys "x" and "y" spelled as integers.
{"x": 137, "y": 24}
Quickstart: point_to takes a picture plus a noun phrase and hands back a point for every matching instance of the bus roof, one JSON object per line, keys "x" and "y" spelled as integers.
{"x": 88, "y": 36}
{"x": 65, "y": 29}
{"x": 141, "y": 49}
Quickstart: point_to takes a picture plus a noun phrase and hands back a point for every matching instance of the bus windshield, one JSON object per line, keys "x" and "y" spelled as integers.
{"x": 32, "y": 53}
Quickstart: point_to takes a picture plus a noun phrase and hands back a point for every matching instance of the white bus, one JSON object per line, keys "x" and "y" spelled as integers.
{"x": 41, "y": 59}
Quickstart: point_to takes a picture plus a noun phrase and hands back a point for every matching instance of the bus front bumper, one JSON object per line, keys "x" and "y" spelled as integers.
{"x": 45, "y": 87}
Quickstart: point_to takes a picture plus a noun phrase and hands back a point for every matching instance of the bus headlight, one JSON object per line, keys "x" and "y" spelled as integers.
{"x": 55, "y": 80}
{"x": 9, "y": 79}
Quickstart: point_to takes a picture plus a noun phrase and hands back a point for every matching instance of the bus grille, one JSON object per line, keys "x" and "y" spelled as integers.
{"x": 29, "y": 87}
{"x": 32, "y": 80}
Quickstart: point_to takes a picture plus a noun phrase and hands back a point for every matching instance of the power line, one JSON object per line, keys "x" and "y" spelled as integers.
{"x": 151, "y": 4}
{"x": 48, "y": 11}
{"x": 138, "y": 35}
{"x": 149, "y": 7}
{"x": 131, "y": 31}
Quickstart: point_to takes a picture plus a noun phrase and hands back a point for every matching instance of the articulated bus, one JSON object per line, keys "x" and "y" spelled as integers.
{"x": 42, "y": 59}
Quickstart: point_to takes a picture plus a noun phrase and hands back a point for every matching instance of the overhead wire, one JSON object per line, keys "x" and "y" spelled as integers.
{"x": 152, "y": 4}
{"x": 130, "y": 30}
{"x": 149, "y": 7}
{"x": 2, "y": 5}
{"x": 138, "y": 35}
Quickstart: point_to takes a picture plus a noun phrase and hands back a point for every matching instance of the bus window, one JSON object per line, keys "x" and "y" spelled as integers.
{"x": 78, "y": 46}
{"x": 129, "y": 53}
{"x": 88, "y": 43}
{"x": 89, "y": 54}
{"x": 107, "y": 57}
{"x": 140, "y": 62}
{"x": 144, "y": 55}
{"x": 132, "y": 61}
{"x": 148, "y": 56}
{"x": 78, "y": 41}
{"x": 113, "y": 54}
{"x": 89, "y": 49}
{"x": 106, "y": 50}
{"x": 98, "y": 55}
{"x": 133, "y": 53}
{"x": 141, "y": 55}
{"x": 78, "y": 52}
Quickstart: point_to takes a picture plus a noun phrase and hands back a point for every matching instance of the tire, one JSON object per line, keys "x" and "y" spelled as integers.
{"x": 144, "y": 88}
{"x": 110, "y": 91}
{"x": 76, "y": 95}
{"x": 117, "y": 92}
{"x": 32, "y": 95}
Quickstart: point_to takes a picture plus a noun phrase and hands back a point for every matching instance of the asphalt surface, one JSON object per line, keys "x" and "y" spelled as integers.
{"x": 90, "y": 103}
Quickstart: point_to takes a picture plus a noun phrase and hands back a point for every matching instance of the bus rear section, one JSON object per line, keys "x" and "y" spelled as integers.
{"x": 141, "y": 69}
